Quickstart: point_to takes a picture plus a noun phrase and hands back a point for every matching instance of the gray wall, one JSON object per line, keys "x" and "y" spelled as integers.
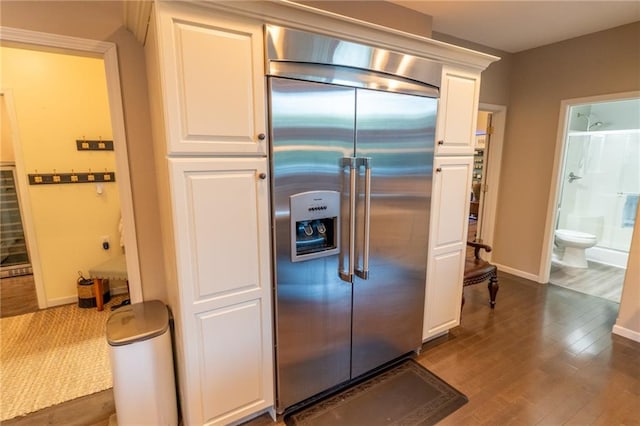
{"x": 494, "y": 87}
{"x": 601, "y": 63}
{"x": 378, "y": 12}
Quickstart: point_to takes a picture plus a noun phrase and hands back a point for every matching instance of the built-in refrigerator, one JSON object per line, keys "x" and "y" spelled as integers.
{"x": 351, "y": 171}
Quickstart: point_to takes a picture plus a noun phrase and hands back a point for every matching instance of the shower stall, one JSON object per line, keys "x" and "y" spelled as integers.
{"x": 601, "y": 177}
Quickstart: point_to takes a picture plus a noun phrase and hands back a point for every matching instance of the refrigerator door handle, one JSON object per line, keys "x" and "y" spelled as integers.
{"x": 347, "y": 275}
{"x": 364, "y": 271}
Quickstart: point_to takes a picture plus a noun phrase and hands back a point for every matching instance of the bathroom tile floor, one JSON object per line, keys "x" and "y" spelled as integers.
{"x": 598, "y": 280}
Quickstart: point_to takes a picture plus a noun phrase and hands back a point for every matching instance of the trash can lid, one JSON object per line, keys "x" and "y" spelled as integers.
{"x": 137, "y": 322}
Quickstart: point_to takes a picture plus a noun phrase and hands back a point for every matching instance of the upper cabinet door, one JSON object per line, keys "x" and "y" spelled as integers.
{"x": 458, "y": 110}
{"x": 214, "y": 82}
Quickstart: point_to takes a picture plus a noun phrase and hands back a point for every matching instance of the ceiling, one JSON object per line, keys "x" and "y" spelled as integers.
{"x": 516, "y": 25}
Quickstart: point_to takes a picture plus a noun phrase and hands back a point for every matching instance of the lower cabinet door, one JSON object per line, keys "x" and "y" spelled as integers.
{"x": 447, "y": 243}
{"x": 234, "y": 374}
{"x": 444, "y": 291}
{"x": 224, "y": 319}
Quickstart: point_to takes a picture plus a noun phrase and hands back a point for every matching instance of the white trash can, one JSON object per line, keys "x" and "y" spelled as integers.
{"x": 142, "y": 364}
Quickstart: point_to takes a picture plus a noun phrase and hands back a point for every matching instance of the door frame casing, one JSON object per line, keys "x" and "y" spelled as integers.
{"x": 492, "y": 167}
{"x": 108, "y": 53}
{"x": 556, "y": 179}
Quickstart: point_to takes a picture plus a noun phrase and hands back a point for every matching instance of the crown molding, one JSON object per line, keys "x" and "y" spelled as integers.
{"x": 307, "y": 18}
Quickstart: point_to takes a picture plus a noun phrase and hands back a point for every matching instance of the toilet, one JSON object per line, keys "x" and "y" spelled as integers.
{"x": 571, "y": 246}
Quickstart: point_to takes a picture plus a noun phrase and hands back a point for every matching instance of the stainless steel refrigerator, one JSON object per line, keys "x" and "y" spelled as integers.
{"x": 351, "y": 170}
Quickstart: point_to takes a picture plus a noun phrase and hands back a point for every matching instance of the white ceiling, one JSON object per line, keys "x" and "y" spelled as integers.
{"x": 517, "y": 25}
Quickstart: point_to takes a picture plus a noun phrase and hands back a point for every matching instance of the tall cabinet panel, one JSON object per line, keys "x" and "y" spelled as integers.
{"x": 453, "y": 165}
{"x": 208, "y": 102}
{"x": 221, "y": 230}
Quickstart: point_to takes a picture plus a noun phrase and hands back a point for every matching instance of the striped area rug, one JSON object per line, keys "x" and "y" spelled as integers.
{"x": 52, "y": 356}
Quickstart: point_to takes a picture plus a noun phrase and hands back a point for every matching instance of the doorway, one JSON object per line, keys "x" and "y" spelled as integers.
{"x": 478, "y": 178}
{"x": 598, "y": 186}
{"x": 79, "y": 47}
{"x": 60, "y": 98}
{"x": 486, "y": 173}
{"x": 104, "y": 53}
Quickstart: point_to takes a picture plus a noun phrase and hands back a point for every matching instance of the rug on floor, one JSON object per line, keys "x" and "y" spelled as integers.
{"x": 407, "y": 394}
{"x": 52, "y": 356}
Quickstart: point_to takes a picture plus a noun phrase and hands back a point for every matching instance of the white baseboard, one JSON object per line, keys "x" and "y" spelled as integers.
{"x": 517, "y": 272}
{"x": 74, "y": 299}
{"x": 62, "y": 301}
{"x": 625, "y": 332}
{"x": 435, "y": 336}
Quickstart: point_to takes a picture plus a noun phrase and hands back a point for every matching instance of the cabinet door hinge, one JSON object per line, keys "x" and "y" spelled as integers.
{"x": 490, "y": 130}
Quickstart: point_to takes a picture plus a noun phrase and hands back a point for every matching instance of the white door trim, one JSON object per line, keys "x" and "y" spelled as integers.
{"x": 492, "y": 178}
{"x": 107, "y": 50}
{"x": 23, "y": 197}
{"x": 554, "y": 190}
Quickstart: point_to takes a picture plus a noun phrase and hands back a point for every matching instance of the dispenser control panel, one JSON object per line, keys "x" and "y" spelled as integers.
{"x": 314, "y": 224}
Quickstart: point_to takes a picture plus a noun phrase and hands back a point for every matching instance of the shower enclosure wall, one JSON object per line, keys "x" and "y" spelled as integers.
{"x": 602, "y": 177}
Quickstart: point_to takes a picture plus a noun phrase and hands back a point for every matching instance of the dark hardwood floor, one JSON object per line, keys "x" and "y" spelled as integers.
{"x": 544, "y": 356}
{"x": 90, "y": 410}
{"x": 17, "y": 296}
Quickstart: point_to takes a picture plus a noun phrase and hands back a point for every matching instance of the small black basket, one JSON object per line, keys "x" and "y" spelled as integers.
{"x": 86, "y": 293}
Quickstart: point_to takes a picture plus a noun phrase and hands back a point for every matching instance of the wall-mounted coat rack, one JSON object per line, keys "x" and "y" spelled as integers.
{"x": 92, "y": 145}
{"x": 84, "y": 177}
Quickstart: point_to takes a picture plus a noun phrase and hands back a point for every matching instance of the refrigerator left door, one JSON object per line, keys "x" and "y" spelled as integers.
{"x": 312, "y": 129}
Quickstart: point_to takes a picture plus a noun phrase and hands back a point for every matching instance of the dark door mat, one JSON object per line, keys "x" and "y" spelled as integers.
{"x": 407, "y": 394}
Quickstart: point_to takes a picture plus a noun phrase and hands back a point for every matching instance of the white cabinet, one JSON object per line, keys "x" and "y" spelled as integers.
{"x": 221, "y": 233}
{"x": 207, "y": 98}
{"x": 213, "y": 81}
{"x": 457, "y": 112}
{"x": 447, "y": 244}
{"x": 453, "y": 166}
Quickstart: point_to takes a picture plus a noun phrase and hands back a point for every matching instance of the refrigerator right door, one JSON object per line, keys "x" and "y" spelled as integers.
{"x": 396, "y": 132}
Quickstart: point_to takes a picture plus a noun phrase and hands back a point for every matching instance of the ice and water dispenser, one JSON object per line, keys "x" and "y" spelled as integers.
{"x": 314, "y": 224}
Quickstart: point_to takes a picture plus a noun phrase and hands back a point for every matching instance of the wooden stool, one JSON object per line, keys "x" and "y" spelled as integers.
{"x": 477, "y": 270}
{"x": 114, "y": 268}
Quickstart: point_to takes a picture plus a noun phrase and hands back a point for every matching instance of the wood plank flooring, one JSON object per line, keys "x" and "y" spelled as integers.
{"x": 544, "y": 356}
{"x": 90, "y": 410}
{"x": 17, "y": 296}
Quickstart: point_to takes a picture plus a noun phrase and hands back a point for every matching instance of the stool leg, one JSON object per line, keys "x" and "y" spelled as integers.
{"x": 493, "y": 289}
{"x": 97, "y": 288}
